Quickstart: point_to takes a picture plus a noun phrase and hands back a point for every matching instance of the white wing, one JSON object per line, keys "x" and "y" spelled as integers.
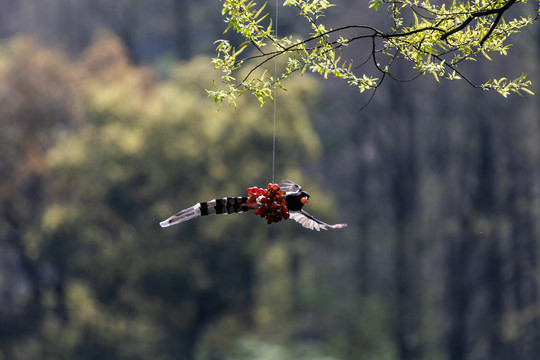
{"x": 309, "y": 222}
{"x": 289, "y": 187}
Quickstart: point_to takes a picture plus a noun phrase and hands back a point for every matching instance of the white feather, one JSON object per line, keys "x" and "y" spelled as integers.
{"x": 184, "y": 215}
{"x": 290, "y": 187}
{"x": 309, "y": 222}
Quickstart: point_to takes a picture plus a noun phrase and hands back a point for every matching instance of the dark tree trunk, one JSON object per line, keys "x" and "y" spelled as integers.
{"x": 403, "y": 186}
{"x": 183, "y": 28}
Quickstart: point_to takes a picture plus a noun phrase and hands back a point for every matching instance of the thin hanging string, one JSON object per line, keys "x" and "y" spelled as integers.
{"x": 275, "y": 97}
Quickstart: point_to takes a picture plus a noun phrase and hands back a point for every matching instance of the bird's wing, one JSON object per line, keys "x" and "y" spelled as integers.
{"x": 289, "y": 187}
{"x": 309, "y": 222}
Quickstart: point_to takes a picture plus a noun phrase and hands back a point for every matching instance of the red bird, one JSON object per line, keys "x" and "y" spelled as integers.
{"x": 278, "y": 202}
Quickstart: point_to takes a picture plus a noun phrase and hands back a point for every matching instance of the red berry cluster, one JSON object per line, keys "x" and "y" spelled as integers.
{"x": 272, "y": 204}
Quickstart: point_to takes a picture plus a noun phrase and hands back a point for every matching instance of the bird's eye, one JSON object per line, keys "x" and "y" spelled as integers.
{"x": 304, "y": 200}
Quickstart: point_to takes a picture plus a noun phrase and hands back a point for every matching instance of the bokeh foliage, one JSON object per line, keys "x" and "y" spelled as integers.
{"x": 99, "y": 151}
{"x": 439, "y": 187}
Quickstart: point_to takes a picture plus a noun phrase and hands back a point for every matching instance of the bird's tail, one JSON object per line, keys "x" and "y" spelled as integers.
{"x": 184, "y": 215}
{"x": 228, "y": 205}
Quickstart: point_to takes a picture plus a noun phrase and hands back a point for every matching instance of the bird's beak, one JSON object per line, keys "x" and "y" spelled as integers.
{"x": 304, "y": 200}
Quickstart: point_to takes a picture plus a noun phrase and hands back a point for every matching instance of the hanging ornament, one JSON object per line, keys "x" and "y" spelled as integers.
{"x": 275, "y": 203}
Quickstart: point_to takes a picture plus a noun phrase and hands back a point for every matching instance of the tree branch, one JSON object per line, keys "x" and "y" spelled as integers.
{"x": 418, "y": 44}
{"x": 481, "y": 13}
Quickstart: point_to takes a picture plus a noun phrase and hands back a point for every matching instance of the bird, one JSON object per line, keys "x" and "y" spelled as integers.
{"x": 291, "y": 196}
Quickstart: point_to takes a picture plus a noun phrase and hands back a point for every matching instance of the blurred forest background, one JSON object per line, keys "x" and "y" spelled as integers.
{"x": 106, "y": 129}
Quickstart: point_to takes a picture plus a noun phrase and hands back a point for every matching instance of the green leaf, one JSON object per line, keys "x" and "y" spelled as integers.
{"x": 486, "y": 55}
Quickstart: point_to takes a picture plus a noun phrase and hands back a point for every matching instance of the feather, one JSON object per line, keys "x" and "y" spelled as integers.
{"x": 289, "y": 187}
{"x": 309, "y": 222}
{"x": 184, "y": 215}
{"x": 223, "y": 206}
